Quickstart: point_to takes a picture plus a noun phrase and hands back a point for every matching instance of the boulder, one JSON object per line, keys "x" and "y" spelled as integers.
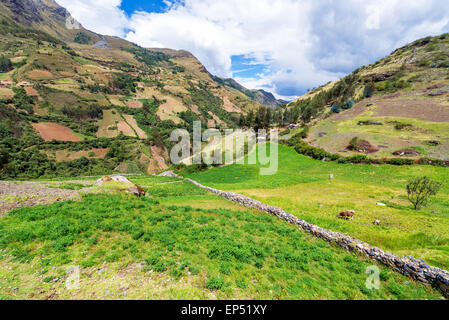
{"x": 169, "y": 174}
{"x": 120, "y": 183}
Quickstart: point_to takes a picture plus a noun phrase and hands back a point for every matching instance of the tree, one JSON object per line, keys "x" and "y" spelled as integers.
{"x": 82, "y": 38}
{"x": 369, "y": 90}
{"x": 419, "y": 191}
{"x": 5, "y": 65}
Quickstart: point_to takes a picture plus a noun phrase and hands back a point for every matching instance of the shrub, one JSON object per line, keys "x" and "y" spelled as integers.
{"x": 348, "y": 105}
{"x": 354, "y": 143}
{"x": 5, "y": 65}
{"x": 369, "y": 90}
{"x": 335, "y": 108}
{"x": 214, "y": 283}
{"x": 419, "y": 191}
{"x": 82, "y": 38}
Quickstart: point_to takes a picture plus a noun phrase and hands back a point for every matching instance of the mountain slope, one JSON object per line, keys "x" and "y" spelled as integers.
{"x": 399, "y": 105}
{"x": 261, "y": 96}
{"x": 87, "y": 103}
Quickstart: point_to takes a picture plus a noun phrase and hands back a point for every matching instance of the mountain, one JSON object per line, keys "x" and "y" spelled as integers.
{"x": 396, "y": 107}
{"x": 263, "y": 97}
{"x": 73, "y": 101}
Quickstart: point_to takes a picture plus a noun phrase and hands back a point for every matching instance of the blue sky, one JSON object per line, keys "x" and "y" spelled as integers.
{"x": 130, "y": 6}
{"x": 282, "y": 46}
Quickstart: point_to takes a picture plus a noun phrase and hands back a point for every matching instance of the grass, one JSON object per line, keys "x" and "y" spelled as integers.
{"x": 68, "y": 186}
{"x": 140, "y": 248}
{"x": 300, "y": 184}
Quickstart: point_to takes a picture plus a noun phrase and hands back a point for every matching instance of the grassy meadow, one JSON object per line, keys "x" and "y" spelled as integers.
{"x": 302, "y": 186}
{"x": 179, "y": 243}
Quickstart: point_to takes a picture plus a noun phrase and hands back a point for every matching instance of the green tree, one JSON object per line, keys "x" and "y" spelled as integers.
{"x": 5, "y": 65}
{"x": 419, "y": 191}
{"x": 369, "y": 90}
{"x": 82, "y": 38}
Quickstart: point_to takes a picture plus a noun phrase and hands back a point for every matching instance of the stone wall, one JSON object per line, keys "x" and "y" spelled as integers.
{"x": 409, "y": 266}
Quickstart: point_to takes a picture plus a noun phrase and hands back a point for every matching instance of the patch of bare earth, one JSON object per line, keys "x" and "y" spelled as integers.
{"x": 40, "y": 74}
{"x": 422, "y": 109}
{"x": 229, "y": 107}
{"x": 133, "y": 123}
{"x": 125, "y": 128}
{"x": 63, "y": 155}
{"x": 14, "y": 195}
{"x": 53, "y": 131}
{"x": 159, "y": 155}
{"x": 134, "y": 104}
{"x": 30, "y": 91}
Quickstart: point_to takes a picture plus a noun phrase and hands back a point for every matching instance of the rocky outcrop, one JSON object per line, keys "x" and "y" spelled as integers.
{"x": 169, "y": 174}
{"x": 120, "y": 183}
{"x": 409, "y": 266}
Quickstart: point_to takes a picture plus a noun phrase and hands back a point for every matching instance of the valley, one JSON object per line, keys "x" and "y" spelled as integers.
{"x": 93, "y": 207}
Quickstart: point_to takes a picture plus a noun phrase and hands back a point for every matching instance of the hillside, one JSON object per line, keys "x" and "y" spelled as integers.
{"x": 396, "y": 107}
{"x": 73, "y": 101}
{"x": 180, "y": 243}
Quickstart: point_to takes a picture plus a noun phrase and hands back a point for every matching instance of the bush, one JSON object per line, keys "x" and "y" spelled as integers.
{"x": 82, "y": 38}
{"x": 335, "y": 108}
{"x": 369, "y": 91}
{"x": 5, "y": 65}
{"x": 348, "y": 105}
{"x": 214, "y": 283}
{"x": 419, "y": 191}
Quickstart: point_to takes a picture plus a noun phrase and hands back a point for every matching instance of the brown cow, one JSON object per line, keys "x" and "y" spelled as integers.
{"x": 347, "y": 215}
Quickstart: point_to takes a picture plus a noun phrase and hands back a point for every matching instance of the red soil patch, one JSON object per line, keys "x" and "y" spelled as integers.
{"x": 32, "y": 92}
{"x": 158, "y": 154}
{"x": 50, "y": 131}
{"x": 423, "y": 109}
{"x": 40, "y": 74}
{"x": 66, "y": 74}
{"x": 125, "y": 128}
{"x": 134, "y": 104}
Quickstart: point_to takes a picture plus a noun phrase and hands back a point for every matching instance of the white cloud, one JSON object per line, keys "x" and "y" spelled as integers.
{"x": 101, "y": 16}
{"x": 304, "y": 43}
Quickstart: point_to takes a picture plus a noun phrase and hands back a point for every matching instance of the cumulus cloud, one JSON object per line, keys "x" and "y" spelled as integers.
{"x": 302, "y": 43}
{"x": 101, "y": 16}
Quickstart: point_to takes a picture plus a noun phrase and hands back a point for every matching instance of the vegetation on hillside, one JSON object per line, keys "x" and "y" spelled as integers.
{"x": 220, "y": 252}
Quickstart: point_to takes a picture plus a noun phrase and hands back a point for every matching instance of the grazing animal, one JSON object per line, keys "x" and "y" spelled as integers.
{"x": 376, "y": 223}
{"x": 347, "y": 215}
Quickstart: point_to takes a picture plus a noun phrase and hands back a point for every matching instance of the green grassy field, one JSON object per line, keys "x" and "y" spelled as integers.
{"x": 166, "y": 247}
{"x": 303, "y": 187}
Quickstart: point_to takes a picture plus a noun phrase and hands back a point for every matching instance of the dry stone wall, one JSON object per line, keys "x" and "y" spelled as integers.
{"x": 409, "y": 266}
